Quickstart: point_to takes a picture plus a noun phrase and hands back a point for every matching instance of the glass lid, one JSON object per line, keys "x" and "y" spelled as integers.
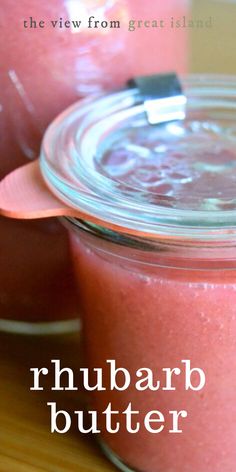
{"x": 172, "y": 179}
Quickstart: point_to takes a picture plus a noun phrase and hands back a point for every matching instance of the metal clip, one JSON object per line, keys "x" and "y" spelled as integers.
{"x": 162, "y": 96}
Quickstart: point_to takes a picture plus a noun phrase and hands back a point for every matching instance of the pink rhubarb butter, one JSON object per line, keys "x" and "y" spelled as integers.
{"x": 46, "y": 64}
{"x": 154, "y": 252}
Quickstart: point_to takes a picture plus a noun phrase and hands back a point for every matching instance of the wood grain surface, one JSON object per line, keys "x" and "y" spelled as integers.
{"x": 26, "y": 444}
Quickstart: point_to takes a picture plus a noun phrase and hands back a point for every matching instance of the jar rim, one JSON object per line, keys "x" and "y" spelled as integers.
{"x": 79, "y": 138}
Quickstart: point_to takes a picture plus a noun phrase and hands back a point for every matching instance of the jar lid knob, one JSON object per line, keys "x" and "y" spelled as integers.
{"x": 162, "y": 96}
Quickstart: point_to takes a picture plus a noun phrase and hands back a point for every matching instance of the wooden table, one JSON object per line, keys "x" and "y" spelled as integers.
{"x": 26, "y": 444}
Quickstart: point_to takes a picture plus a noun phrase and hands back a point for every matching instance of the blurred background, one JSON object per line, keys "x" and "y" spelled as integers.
{"x": 213, "y": 49}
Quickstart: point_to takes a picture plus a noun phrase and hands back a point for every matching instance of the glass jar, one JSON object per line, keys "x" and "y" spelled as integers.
{"x": 154, "y": 306}
{"x": 154, "y": 252}
{"x": 43, "y": 71}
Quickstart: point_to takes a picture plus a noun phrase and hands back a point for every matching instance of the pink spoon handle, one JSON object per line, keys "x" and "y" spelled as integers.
{"x": 24, "y": 195}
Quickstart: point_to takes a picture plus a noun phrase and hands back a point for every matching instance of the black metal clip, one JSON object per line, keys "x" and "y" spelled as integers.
{"x": 162, "y": 96}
